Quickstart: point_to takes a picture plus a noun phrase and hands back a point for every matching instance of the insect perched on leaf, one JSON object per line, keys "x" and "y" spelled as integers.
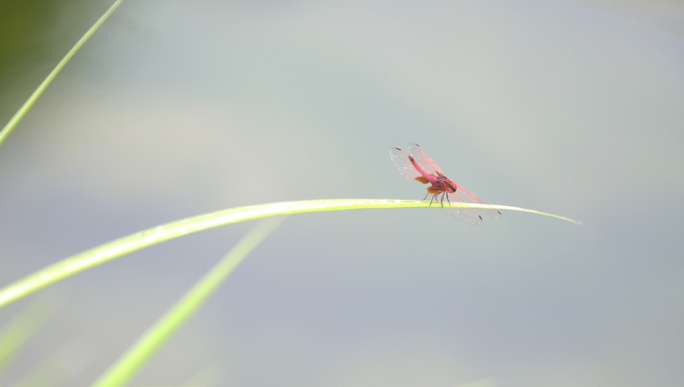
{"x": 417, "y": 165}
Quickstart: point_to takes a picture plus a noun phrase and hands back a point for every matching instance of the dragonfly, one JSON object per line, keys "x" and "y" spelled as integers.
{"x": 417, "y": 165}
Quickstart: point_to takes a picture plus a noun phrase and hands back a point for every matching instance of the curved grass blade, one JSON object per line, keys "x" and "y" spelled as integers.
{"x": 129, "y": 364}
{"x": 152, "y": 236}
{"x": 14, "y": 121}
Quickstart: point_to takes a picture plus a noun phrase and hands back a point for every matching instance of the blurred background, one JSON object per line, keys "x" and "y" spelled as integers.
{"x": 178, "y": 108}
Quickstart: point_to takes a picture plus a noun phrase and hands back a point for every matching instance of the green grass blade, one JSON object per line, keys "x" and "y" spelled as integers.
{"x": 14, "y": 121}
{"x": 48, "y": 373}
{"x": 152, "y": 236}
{"x": 21, "y": 328}
{"x": 126, "y": 367}
{"x": 209, "y": 376}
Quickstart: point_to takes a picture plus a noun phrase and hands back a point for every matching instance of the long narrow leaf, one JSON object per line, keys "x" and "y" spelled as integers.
{"x": 152, "y": 236}
{"x": 129, "y": 364}
{"x": 14, "y": 121}
{"x": 21, "y": 328}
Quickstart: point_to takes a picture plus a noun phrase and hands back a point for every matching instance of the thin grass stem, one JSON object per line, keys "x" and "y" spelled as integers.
{"x": 21, "y": 328}
{"x": 152, "y": 236}
{"x": 14, "y": 121}
{"x": 129, "y": 364}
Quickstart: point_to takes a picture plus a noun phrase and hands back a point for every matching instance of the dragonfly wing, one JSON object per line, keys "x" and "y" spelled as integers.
{"x": 468, "y": 215}
{"x": 423, "y": 159}
{"x": 401, "y": 160}
{"x": 466, "y": 196}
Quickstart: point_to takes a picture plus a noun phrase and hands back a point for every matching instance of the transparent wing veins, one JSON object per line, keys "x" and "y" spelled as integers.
{"x": 401, "y": 160}
{"x": 423, "y": 159}
{"x": 466, "y": 196}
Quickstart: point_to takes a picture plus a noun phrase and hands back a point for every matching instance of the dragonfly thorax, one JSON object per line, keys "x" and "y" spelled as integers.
{"x": 442, "y": 184}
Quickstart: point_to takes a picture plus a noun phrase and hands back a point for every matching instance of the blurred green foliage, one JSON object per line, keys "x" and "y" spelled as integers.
{"x": 34, "y": 36}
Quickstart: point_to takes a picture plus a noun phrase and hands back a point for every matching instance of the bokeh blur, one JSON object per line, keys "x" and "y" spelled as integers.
{"x": 177, "y": 108}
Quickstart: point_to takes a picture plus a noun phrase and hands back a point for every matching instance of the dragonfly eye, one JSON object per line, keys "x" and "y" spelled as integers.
{"x": 451, "y": 186}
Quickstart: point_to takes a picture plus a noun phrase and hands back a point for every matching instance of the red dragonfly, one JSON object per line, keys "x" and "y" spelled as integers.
{"x": 417, "y": 165}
